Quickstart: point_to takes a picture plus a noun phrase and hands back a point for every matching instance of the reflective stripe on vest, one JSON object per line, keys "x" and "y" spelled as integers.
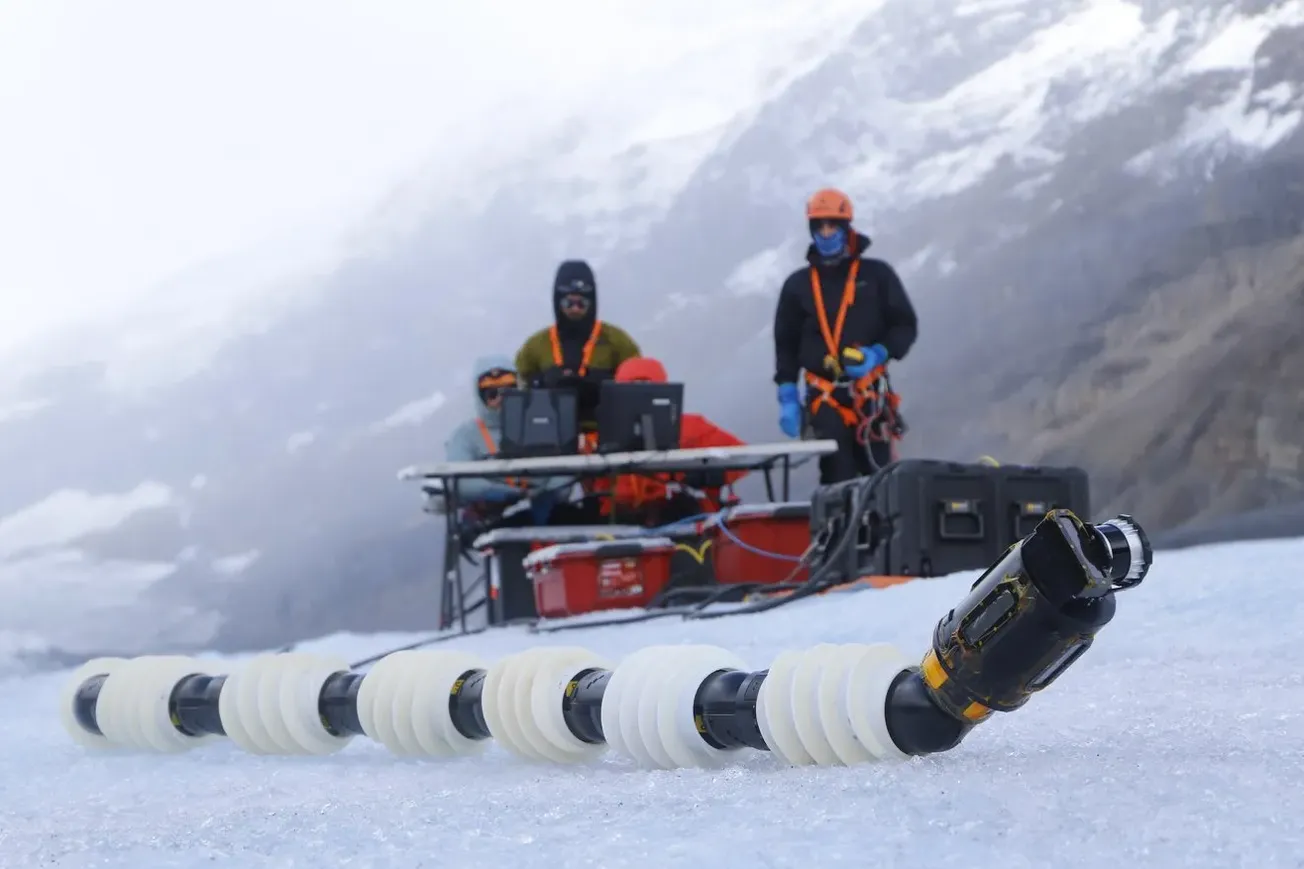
{"x": 586, "y": 356}
{"x": 833, "y": 337}
{"x": 492, "y": 447}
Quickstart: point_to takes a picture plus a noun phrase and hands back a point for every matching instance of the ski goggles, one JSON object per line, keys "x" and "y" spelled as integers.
{"x": 574, "y": 303}
{"x": 492, "y": 383}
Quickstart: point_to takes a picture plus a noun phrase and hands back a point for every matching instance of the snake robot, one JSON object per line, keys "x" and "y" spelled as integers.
{"x": 1024, "y": 622}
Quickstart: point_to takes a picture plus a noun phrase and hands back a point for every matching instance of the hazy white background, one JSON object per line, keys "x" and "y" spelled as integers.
{"x": 177, "y": 175}
{"x": 143, "y": 137}
{"x": 371, "y": 194}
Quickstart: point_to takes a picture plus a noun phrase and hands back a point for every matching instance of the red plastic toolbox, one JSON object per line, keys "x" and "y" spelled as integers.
{"x": 575, "y": 578}
{"x": 511, "y": 596}
{"x": 740, "y": 535}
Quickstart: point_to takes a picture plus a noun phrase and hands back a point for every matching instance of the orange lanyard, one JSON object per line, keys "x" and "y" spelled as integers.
{"x": 488, "y": 437}
{"x": 585, "y": 357}
{"x": 493, "y": 451}
{"x": 833, "y": 338}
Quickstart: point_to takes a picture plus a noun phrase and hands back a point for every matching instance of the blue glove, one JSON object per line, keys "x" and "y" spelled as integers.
{"x": 789, "y": 410}
{"x": 874, "y": 357}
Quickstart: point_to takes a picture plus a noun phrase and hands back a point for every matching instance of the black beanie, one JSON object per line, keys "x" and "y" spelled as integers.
{"x": 575, "y": 276}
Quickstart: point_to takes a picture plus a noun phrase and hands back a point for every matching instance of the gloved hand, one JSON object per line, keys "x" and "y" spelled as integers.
{"x": 789, "y": 410}
{"x": 874, "y": 357}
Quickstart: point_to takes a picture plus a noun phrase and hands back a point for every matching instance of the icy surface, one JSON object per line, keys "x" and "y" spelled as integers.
{"x": 1174, "y": 743}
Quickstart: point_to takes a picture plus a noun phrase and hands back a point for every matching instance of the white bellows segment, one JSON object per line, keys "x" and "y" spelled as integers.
{"x": 269, "y": 705}
{"x": 133, "y": 709}
{"x": 824, "y": 705}
{"x": 647, "y": 709}
{"x": 522, "y": 703}
{"x": 403, "y": 703}
{"x": 67, "y": 715}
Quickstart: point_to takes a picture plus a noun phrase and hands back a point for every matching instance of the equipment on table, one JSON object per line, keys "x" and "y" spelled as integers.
{"x": 539, "y": 422}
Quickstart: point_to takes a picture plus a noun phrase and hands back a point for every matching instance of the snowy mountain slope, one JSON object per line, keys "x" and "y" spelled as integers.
{"x": 1197, "y": 411}
{"x": 1021, "y": 161}
{"x": 1009, "y": 269}
{"x": 1174, "y": 742}
{"x": 1034, "y": 240}
{"x": 954, "y": 170}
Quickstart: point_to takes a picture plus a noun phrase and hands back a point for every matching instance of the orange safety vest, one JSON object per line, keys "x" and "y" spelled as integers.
{"x": 863, "y": 390}
{"x": 586, "y": 356}
{"x": 493, "y": 451}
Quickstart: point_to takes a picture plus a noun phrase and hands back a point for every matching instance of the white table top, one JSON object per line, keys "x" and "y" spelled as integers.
{"x": 720, "y": 458}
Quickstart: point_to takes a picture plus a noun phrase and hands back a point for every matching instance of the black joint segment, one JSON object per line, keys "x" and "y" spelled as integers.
{"x": 194, "y": 705}
{"x": 915, "y": 723}
{"x": 84, "y": 703}
{"x": 724, "y": 709}
{"x": 337, "y": 704}
{"x": 1128, "y": 565}
{"x": 581, "y": 705}
{"x": 1065, "y": 560}
{"x": 465, "y": 707}
{"x": 1119, "y": 550}
{"x": 1028, "y": 618}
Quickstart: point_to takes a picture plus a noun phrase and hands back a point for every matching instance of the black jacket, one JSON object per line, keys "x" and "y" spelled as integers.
{"x": 881, "y": 314}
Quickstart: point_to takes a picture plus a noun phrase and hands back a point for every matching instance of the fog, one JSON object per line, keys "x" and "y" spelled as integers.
{"x": 285, "y": 232}
{"x": 144, "y": 137}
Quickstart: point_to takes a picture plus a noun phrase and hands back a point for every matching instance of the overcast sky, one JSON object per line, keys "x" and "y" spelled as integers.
{"x": 142, "y": 136}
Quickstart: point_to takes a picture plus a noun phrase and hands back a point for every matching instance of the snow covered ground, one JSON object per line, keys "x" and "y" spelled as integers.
{"x": 1175, "y": 742}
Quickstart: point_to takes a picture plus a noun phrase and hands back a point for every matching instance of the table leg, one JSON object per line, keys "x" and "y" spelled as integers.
{"x": 455, "y": 541}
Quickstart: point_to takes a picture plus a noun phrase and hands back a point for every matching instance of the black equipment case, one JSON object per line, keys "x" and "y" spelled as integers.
{"x": 932, "y": 518}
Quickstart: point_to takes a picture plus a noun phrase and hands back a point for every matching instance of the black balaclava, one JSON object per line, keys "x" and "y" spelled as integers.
{"x": 575, "y": 278}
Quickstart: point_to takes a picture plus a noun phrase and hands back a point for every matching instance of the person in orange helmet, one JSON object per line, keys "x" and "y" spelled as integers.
{"x": 838, "y": 322}
{"x": 663, "y": 498}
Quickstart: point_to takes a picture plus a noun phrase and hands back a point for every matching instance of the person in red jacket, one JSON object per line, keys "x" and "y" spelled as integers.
{"x": 662, "y": 498}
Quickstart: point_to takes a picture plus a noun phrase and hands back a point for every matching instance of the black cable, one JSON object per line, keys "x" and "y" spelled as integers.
{"x": 824, "y": 577}
{"x": 429, "y": 641}
{"x": 717, "y": 592}
{"x": 819, "y": 580}
{"x": 647, "y": 616}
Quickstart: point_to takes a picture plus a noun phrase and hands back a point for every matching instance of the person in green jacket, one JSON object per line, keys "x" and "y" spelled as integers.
{"x": 578, "y": 350}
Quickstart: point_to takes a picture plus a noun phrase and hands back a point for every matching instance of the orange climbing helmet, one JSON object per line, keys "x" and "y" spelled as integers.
{"x": 829, "y": 204}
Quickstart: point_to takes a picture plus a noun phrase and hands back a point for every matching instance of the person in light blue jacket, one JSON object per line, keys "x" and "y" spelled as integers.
{"x": 477, "y": 439}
